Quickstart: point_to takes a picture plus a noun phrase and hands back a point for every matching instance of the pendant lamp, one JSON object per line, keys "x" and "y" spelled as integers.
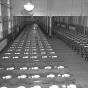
{"x": 29, "y": 6}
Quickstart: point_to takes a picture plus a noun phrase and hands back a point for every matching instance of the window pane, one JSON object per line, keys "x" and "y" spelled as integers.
{"x": 8, "y": 1}
{"x": 0, "y": 21}
{"x": 1, "y": 30}
{"x": 4, "y": 10}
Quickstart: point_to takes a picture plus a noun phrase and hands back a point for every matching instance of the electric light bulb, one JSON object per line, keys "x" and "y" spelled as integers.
{"x": 59, "y": 75}
{"x": 7, "y": 77}
{"x": 37, "y": 87}
{"x": 63, "y": 86}
{"x": 54, "y": 86}
{"x": 51, "y": 76}
{"x": 71, "y": 86}
{"x": 11, "y": 68}
{"x": 35, "y": 68}
{"x": 60, "y": 67}
{"x": 21, "y": 87}
{"x": 22, "y": 76}
{"x": 65, "y": 75}
{"x": 48, "y": 67}
{"x": 36, "y": 76}
{"x": 3, "y": 87}
{"x": 23, "y": 68}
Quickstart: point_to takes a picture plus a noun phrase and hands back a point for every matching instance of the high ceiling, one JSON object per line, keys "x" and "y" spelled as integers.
{"x": 51, "y": 7}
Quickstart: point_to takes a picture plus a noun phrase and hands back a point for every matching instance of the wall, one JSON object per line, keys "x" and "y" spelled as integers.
{"x": 75, "y": 23}
{"x": 59, "y": 7}
{"x": 46, "y": 8}
{"x": 19, "y": 24}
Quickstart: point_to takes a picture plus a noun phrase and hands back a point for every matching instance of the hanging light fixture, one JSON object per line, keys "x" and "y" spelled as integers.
{"x": 81, "y": 7}
{"x": 29, "y": 6}
{"x": 71, "y": 8}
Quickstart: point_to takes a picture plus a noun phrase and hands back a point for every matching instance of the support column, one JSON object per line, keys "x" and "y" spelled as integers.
{"x": 85, "y": 24}
{"x": 50, "y": 27}
{"x": 47, "y": 24}
{"x": 50, "y": 18}
{"x": 47, "y": 16}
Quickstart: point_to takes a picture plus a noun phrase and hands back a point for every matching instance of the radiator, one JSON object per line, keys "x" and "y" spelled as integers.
{"x": 72, "y": 28}
{"x": 3, "y": 44}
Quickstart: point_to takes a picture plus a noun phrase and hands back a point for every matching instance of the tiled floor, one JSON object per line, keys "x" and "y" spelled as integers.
{"x": 77, "y": 65}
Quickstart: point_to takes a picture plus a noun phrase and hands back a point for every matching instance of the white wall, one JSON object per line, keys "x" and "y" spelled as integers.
{"x": 59, "y": 7}
{"x": 40, "y": 7}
